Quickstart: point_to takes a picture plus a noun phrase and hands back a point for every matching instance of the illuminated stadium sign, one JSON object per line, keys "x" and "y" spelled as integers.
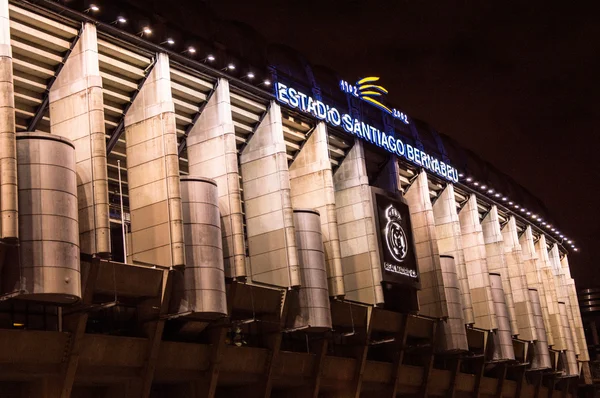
{"x": 298, "y": 100}
{"x": 366, "y": 90}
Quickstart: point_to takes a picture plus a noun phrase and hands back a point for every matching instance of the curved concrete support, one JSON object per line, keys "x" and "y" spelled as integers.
{"x": 579, "y": 330}
{"x": 9, "y": 226}
{"x": 447, "y": 228}
{"x": 310, "y": 309}
{"x": 356, "y": 225}
{"x": 518, "y": 282}
{"x": 533, "y": 275}
{"x": 558, "y": 329}
{"x": 153, "y": 172}
{"x": 453, "y": 336}
{"x": 570, "y": 366}
{"x": 541, "y": 354}
{"x": 77, "y": 112}
{"x": 269, "y": 214}
{"x": 432, "y": 296}
{"x": 477, "y": 269}
{"x": 563, "y": 295}
{"x": 503, "y": 347}
{"x": 494, "y": 250}
{"x": 311, "y": 181}
{"x": 199, "y": 289}
{"x": 48, "y": 269}
{"x": 212, "y": 153}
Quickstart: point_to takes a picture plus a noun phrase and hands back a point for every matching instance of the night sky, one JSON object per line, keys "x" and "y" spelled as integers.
{"x": 516, "y": 82}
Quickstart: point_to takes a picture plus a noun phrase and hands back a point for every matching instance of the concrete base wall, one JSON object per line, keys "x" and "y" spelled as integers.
{"x": 556, "y": 325}
{"x": 8, "y": 153}
{"x": 494, "y": 249}
{"x": 447, "y": 228}
{"x": 518, "y": 282}
{"x": 269, "y": 214}
{"x": 212, "y": 153}
{"x": 533, "y": 274}
{"x": 432, "y": 296}
{"x": 477, "y": 269}
{"x": 311, "y": 181}
{"x": 356, "y": 225}
{"x": 77, "y": 112}
{"x": 153, "y": 172}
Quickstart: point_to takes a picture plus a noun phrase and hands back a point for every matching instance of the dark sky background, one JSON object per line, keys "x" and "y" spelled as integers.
{"x": 516, "y": 82}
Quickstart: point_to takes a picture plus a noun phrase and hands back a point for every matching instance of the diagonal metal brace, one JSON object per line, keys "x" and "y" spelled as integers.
{"x": 189, "y": 128}
{"x": 39, "y": 113}
{"x": 260, "y": 120}
{"x": 118, "y": 131}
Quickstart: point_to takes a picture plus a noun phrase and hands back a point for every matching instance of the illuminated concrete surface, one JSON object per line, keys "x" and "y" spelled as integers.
{"x": 129, "y": 335}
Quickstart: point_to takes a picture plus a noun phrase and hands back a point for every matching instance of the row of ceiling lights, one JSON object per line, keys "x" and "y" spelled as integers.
{"x": 191, "y": 51}
{"x": 250, "y": 76}
{"x": 509, "y": 203}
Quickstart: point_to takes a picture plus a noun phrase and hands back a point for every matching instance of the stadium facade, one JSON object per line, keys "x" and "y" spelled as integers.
{"x": 171, "y": 229}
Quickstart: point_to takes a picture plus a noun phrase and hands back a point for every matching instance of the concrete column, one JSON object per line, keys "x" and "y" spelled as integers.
{"x": 311, "y": 180}
{"x": 8, "y": 154}
{"x": 432, "y": 296}
{"x": 153, "y": 172}
{"x": 563, "y": 295}
{"x": 212, "y": 153}
{"x": 447, "y": 228}
{"x": 518, "y": 282}
{"x": 558, "y": 331}
{"x": 477, "y": 268}
{"x": 533, "y": 274}
{"x": 356, "y": 226}
{"x": 77, "y": 112}
{"x": 269, "y": 214}
{"x": 494, "y": 250}
{"x": 579, "y": 330}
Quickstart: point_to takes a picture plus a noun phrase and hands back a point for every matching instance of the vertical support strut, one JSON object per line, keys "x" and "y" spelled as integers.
{"x": 118, "y": 131}
{"x": 76, "y": 325}
{"x": 39, "y": 113}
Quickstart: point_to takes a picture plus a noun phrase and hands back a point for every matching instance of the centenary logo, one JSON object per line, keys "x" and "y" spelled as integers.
{"x": 366, "y": 90}
{"x": 394, "y": 234}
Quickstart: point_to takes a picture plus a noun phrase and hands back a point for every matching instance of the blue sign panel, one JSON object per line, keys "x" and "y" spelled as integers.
{"x": 331, "y": 115}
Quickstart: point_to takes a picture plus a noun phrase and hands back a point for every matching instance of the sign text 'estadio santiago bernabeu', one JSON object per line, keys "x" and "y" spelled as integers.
{"x": 305, "y": 103}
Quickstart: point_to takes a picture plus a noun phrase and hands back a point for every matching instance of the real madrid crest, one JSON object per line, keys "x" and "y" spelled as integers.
{"x": 394, "y": 234}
